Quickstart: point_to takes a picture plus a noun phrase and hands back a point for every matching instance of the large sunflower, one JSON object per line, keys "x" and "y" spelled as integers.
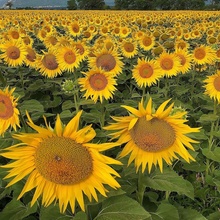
{"x": 146, "y": 72}
{"x": 147, "y": 42}
{"x": 68, "y": 58}
{"x": 48, "y": 65}
{"x": 204, "y": 55}
{"x": 9, "y": 114}
{"x": 212, "y": 87}
{"x": 108, "y": 60}
{"x": 129, "y": 48}
{"x": 169, "y": 64}
{"x": 185, "y": 60}
{"x": 31, "y": 57}
{"x": 97, "y": 84}
{"x": 153, "y": 136}
{"x": 13, "y": 52}
{"x": 61, "y": 164}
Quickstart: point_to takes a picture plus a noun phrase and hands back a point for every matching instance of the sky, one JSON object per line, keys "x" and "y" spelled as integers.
{"x": 108, "y": 2}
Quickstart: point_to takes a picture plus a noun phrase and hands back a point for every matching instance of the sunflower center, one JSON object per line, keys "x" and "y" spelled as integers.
{"x": 69, "y": 57}
{"x": 6, "y": 108}
{"x": 166, "y": 64}
{"x": 75, "y": 28}
{"x": 53, "y": 40}
{"x": 106, "y": 62}
{"x": 49, "y": 61}
{"x": 154, "y": 135}
{"x": 26, "y": 40}
{"x": 146, "y": 71}
{"x": 146, "y": 41}
{"x": 31, "y": 56}
{"x": 182, "y": 59}
{"x": 98, "y": 82}
{"x": 15, "y": 34}
{"x": 80, "y": 49}
{"x": 217, "y": 83}
{"x": 199, "y": 53}
{"x": 13, "y": 52}
{"x": 129, "y": 47}
{"x": 63, "y": 161}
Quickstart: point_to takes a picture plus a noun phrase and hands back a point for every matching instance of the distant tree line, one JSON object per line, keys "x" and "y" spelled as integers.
{"x": 143, "y": 5}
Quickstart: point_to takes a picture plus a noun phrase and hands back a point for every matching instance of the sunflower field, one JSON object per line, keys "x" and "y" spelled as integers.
{"x": 109, "y": 115}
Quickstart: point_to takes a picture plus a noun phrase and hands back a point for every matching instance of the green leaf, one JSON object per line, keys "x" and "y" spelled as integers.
{"x": 166, "y": 211}
{"x": 217, "y": 183}
{"x": 208, "y": 118}
{"x": 122, "y": 208}
{"x": 214, "y": 216}
{"x": 187, "y": 213}
{"x": 80, "y": 216}
{"x": 194, "y": 166}
{"x": 66, "y": 114}
{"x": 199, "y": 135}
{"x": 68, "y": 105}
{"x": 31, "y": 105}
{"x": 170, "y": 181}
{"x": 213, "y": 155}
{"x": 15, "y": 210}
{"x": 53, "y": 212}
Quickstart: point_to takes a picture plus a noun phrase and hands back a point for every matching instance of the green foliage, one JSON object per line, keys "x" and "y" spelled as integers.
{"x": 91, "y": 4}
{"x": 160, "y": 4}
{"x": 71, "y": 4}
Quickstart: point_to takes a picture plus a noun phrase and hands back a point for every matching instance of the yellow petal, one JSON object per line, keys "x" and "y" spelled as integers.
{"x": 58, "y": 126}
{"x": 73, "y": 125}
{"x": 132, "y": 110}
{"x": 85, "y": 135}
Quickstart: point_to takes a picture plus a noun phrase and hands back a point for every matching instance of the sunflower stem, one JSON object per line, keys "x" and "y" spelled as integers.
{"x": 76, "y": 103}
{"x": 167, "y": 194}
{"x": 210, "y": 140}
{"x": 102, "y": 116}
{"x": 141, "y": 187}
{"x": 166, "y": 87}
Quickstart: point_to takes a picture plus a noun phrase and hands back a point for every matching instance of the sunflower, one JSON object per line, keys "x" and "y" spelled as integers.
{"x": 42, "y": 34}
{"x": 81, "y": 48}
{"x": 27, "y": 40}
{"x": 48, "y": 65}
{"x": 147, "y": 42}
{"x": 146, "y": 72}
{"x": 61, "y": 164}
{"x": 185, "y": 60}
{"x": 14, "y": 34}
{"x": 9, "y": 114}
{"x": 74, "y": 28}
{"x": 108, "y": 60}
{"x": 129, "y": 48}
{"x": 158, "y": 49}
{"x": 181, "y": 44}
{"x": 153, "y": 136}
{"x": 169, "y": 64}
{"x": 68, "y": 58}
{"x": 97, "y": 84}
{"x": 31, "y": 57}
{"x": 50, "y": 40}
{"x": 212, "y": 87}
{"x": 203, "y": 55}
{"x": 124, "y": 32}
{"x": 13, "y": 52}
